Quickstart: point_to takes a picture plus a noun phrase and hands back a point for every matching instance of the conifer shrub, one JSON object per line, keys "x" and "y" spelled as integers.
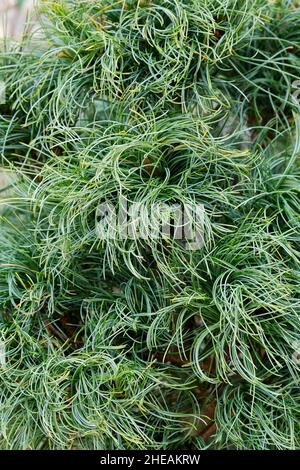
{"x": 141, "y": 342}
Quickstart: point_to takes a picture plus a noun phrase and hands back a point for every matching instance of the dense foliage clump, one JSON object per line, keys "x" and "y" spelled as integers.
{"x": 137, "y": 343}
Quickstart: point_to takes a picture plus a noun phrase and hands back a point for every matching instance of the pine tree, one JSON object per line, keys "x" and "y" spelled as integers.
{"x": 140, "y": 342}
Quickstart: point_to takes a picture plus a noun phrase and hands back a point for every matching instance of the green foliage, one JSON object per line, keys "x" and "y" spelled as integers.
{"x": 134, "y": 343}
